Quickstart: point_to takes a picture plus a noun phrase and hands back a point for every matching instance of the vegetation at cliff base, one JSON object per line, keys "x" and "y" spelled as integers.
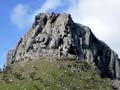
{"x": 45, "y": 74}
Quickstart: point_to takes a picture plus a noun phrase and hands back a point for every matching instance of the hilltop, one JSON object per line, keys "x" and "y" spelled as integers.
{"x": 55, "y": 37}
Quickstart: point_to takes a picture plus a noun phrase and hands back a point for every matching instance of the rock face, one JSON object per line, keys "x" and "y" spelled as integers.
{"x": 57, "y": 36}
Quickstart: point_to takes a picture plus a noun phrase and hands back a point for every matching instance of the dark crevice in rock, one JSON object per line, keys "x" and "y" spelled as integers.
{"x": 60, "y": 41}
{"x": 72, "y": 50}
{"x": 53, "y": 17}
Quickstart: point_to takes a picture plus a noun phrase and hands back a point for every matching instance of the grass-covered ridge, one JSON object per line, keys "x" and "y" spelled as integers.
{"x": 52, "y": 75}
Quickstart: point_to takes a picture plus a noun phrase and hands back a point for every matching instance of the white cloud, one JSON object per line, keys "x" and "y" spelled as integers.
{"x": 21, "y": 17}
{"x": 49, "y": 5}
{"x": 102, "y": 16}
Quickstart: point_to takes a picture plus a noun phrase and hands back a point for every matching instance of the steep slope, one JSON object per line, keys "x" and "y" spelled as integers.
{"x": 45, "y": 74}
{"x": 56, "y": 36}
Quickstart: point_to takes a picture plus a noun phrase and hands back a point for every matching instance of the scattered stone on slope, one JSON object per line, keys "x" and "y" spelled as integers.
{"x": 115, "y": 84}
{"x": 57, "y": 36}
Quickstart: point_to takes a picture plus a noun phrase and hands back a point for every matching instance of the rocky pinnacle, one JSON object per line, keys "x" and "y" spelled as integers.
{"x": 58, "y": 36}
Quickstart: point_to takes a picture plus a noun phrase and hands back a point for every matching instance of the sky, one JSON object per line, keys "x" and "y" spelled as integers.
{"x": 17, "y": 16}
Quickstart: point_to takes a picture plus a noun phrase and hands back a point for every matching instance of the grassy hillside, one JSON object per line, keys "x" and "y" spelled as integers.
{"x": 52, "y": 75}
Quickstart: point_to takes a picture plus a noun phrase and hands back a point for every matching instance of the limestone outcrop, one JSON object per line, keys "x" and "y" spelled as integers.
{"x": 58, "y": 36}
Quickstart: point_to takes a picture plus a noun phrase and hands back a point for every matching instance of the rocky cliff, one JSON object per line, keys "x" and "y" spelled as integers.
{"x": 57, "y": 36}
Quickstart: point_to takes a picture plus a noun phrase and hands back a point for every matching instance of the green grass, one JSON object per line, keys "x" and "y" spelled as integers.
{"x": 52, "y": 75}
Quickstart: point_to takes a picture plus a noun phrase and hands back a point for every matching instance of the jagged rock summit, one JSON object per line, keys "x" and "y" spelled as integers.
{"x": 57, "y": 36}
